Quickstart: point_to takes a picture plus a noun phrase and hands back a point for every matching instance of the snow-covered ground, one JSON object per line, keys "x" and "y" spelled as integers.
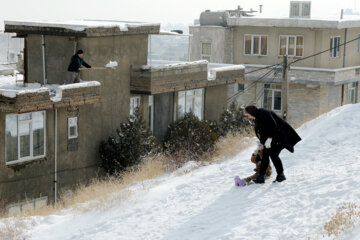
{"x": 203, "y": 204}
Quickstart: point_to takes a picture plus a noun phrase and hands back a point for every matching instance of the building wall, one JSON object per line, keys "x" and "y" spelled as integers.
{"x": 215, "y": 102}
{"x": 273, "y": 45}
{"x": 220, "y": 39}
{"x": 96, "y": 122}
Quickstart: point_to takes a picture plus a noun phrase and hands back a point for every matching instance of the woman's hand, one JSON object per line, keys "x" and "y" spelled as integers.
{"x": 268, "y": 143}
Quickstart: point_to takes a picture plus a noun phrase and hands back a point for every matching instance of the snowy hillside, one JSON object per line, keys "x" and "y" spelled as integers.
{"x": 321, "y": 174}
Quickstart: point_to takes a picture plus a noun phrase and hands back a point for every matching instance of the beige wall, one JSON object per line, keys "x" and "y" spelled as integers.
{"x": 215, "y": 102}
{"x": 315, "y": 40}
{"x": 96, "y": 122}
{"x": 220, "y": 39}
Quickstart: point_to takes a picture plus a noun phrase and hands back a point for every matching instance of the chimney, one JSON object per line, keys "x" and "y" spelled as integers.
{"x": 260, "y": 8}
{"x": 342, "y": 14}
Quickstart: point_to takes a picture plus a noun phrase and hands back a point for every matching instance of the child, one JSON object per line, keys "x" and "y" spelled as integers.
{"x": 256, "y": 159}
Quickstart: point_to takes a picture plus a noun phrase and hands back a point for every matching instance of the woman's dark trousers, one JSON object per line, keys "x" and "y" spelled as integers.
{"x": 273, "y": 153}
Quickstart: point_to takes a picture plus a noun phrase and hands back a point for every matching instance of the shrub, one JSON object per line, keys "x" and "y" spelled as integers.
{"x": 233, "y": 120}
{"x": 190, "y": 137}
{"x": 132, "y": 142}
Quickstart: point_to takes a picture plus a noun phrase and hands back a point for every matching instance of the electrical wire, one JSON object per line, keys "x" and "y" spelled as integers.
{"x": 239, "y": 93}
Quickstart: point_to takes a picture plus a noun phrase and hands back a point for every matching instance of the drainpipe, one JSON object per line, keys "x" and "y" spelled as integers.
{"x": 75, "y": 46}
{"x": 43, "y": 58}
{"x": 55, "y": 143}
{"x": 26, "y": 76}
{"x": 344, "y": 65}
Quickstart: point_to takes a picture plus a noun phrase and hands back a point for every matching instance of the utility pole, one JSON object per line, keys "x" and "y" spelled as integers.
{"x": 284, "y": 89}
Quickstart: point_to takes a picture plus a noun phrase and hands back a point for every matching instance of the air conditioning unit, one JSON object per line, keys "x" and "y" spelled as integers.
{"x": 300, "y": 9}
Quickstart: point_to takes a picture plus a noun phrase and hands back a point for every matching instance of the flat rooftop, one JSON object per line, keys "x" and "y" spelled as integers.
{"x": 266, "y": 21}
{"x": 82, "y": 28}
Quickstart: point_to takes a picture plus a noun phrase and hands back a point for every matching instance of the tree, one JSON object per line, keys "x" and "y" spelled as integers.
{"x": 132, "y": 142}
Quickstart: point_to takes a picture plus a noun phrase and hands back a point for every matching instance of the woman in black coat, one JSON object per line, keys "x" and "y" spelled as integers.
{"x": 274, "y": 134}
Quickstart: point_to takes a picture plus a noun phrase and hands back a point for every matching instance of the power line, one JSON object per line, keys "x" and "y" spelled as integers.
{"x": 266, "y": 67}
{"x": 316, "y": 54}
{"x": 252, "y": 84}
{"x": 263, "y": 92}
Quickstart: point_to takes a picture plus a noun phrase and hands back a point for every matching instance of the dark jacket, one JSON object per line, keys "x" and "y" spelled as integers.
{"x": 75, "y": 64}
{"x": 269, "y": 125}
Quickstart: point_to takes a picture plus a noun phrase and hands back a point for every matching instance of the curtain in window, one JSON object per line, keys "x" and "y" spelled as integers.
{"x": 283, "y": 45}
{"x": 277, "y": 100}
{"x": 256, "y": 44}
{"x": 198, "y": 103}
{"x": 38, "y": 133}
{"x": 267, "y": 99}
{"x": 247, "y": 44}
{"x": 291, "y": 46}
{"x": 299, "y": 46}
{"x": 181, "y": 104}
{"x": 11, "y": 138}
{"x": 263, "y": 45}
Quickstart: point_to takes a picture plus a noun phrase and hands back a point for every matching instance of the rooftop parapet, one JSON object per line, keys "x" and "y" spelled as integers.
{"x": 34, "y": 97}
{"x": 181, "y": 76}
{"x": 82, "y": 28}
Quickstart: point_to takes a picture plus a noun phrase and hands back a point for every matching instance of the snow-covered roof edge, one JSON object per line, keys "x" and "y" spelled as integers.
{"x": 293, "y": 22}
{"x": 81, "y": 25}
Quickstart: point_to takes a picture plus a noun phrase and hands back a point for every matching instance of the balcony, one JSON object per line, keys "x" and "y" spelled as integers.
{"x": 34, "y": 97}
{"x": 180, "y": 76}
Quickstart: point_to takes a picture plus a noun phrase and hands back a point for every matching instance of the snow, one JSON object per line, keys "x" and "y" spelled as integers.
{"x": 81, "y": 25}
{"x": 9, "y": 88}
{"x": 204, "y": 204}
{"x": 160, "y": 66}
{"x": 111, "y": 64}
{"x": 213, "y": 71}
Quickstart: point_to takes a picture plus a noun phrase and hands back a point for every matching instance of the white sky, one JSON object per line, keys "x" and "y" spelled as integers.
{"x": 159, "y": 11}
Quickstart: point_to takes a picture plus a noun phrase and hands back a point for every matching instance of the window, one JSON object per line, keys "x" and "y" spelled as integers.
{"x": 151, "y": 112}
{"x": 351, "y": 92}
{"x": 334, "y": 46}
{"x": 358, "y": 43}
{"x": 241, "y": 87}
{"x": 272, "y": 97}
{"x": 72, "y": 127}
{"x": 25, "y": 136}
{"x": 134, "y": 103}
{"x": 255, "y": 45}
{"x": 300, "y": 9}
{"x": 206, "y": 51}
{"x": 190, "y": 101}
{"x": 290, "y": 45}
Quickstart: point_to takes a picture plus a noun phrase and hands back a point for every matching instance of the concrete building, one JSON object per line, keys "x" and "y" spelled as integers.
{"x": 50, "y": 132}
{"x": 317, "y": 84}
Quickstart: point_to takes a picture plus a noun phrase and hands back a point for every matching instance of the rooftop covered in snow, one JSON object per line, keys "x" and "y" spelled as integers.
{"x": 17, "y": 98}
{"x": 170, "y": 76}
{"x": 82, "y": 28}
{"x": 267, "y": 21}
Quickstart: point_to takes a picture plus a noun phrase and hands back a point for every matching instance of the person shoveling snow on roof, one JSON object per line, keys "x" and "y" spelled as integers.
{"x": 73, "y": 74}
{"x": 274, "y": 134}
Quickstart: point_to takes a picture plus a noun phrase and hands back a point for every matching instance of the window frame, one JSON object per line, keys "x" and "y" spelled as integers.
{"x": 351, "y": 87}
{"x": 331, "y": 46}
{"x": 295, "y": 44}
{"x": 31, "y": 144}
{"x": 273, "y": 90}
{"x": 73, "y": 125}
{"x": 138, "y": 103}
{"x": 205, "y": 55}
{"x": 192, "y": 96}
{"x": 252, "y": 44}
{"x": 300, "y": 6}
